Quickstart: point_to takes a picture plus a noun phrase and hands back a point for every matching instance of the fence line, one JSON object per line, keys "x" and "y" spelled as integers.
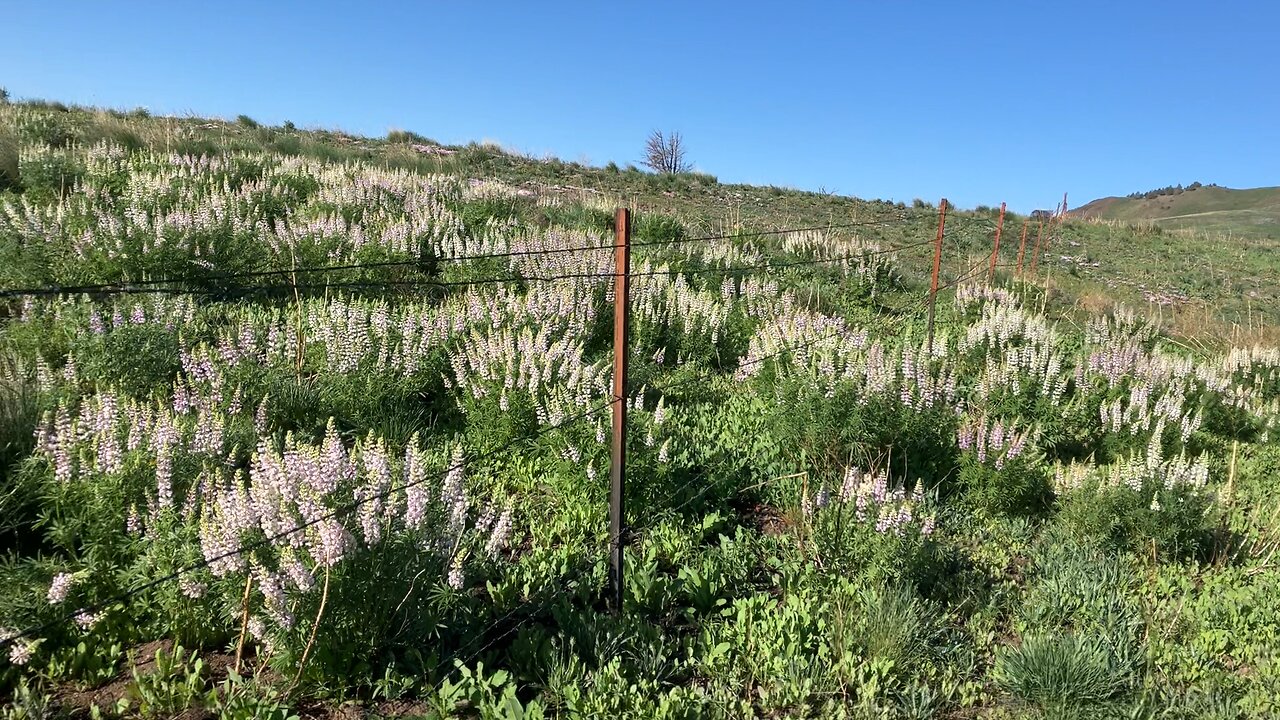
{"x": 618, "y": 527}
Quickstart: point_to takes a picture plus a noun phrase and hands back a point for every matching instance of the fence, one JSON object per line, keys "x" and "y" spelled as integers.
{"x": 620, "y": 532}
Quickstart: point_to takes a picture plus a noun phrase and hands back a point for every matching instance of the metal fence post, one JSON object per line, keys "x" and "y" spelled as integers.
{"x": 621, "y": 347}
{"x": 995, "y": 251}
{"x": 937, "y": 263}
{"x": 1035, "y": 255}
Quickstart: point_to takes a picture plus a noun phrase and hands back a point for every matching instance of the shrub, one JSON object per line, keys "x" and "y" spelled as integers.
{"x": 247, "y": 122}
{"x": 406, "y": 136}
{"x": 289, "y": 126}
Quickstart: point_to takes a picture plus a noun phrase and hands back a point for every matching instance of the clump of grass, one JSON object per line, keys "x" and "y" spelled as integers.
{"x": 408, "y": 136}
{"x": 1061, "y": 671}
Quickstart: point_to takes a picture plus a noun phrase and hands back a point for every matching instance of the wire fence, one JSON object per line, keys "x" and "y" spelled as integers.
{"x": 969, "y": 226}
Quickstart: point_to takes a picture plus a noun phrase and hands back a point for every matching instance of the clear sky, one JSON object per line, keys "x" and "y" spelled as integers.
{"x": 978, "y": 102}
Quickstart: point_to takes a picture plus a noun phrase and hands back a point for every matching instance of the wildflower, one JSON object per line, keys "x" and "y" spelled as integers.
{"x": 191, "y": 588}
{"x": 87, "y": 620}
{"x": 501, "y": 530}
{"x": 927, "y": 525}
{"x": 133, "y": 523}
{"x": 60, "y": 587}
{"x": 456, "y": 578}
{"x": 823, "y": 498}
{"x": 20, "y": 651}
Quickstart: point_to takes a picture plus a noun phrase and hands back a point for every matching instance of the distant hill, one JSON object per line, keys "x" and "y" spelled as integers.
{"x": 1248, "y": 213}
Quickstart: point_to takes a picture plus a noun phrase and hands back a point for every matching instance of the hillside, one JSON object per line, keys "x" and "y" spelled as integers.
{"x": 1252, "y": 212}
{"x": 297, "y": 424}
{"x": 1193, "y": 284}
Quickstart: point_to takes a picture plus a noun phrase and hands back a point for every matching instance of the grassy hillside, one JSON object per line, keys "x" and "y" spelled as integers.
{"x": 1251, "y": 213}
{"x": 1215, "y": 288}
{"x": 298, "y": 424}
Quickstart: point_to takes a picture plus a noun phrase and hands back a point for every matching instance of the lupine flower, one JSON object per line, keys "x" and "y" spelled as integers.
{"x": 60, "y": 587}
{"x": 191, "y": 587}
{"x": 87, "y": 620}
{"x": 21, "y": 651}
{"x": 501, "y": 530}
{"x": 456, "y": 577}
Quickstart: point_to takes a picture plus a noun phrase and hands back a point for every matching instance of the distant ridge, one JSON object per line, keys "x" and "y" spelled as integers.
{"x": 1251, "y": 212}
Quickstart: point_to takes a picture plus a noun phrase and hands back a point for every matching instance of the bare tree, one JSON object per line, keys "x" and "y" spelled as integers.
{"x": 665, "y": 153}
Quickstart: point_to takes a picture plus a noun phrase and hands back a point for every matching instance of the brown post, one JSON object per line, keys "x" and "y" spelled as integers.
{"x": 937, "y": 262}
{"x": 1035, "y": 256}
{"x": 995, "y": 251}
{"x": 1022, "y": 246}
{"x": 621, "y": 345}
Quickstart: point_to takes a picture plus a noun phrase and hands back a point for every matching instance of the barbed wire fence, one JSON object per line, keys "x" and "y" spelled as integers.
{"x": 619, "y": 533}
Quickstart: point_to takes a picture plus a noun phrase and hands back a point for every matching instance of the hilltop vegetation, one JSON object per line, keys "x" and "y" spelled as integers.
{"x": 340, "y": 383}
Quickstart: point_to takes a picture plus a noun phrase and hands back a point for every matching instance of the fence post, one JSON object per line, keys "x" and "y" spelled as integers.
{"x": 995, "y": 251}
{"x": 1022, "y": 247}
{"x": 1035, "y": 256}
{"x": 621, "y": 347}
{"x": 937, "y": 262}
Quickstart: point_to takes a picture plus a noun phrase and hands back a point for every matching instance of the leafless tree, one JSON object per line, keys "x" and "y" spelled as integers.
{"x": 665, "y": 153}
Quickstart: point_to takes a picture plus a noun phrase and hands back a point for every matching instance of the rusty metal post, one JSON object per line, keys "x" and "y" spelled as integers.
{"x": 1022, "y": 246}
{"x": 1035, "y": 255}
{"x": 995, "y": 251}
{"x": 937, "y": 263}
{"x": 621, "y": 346}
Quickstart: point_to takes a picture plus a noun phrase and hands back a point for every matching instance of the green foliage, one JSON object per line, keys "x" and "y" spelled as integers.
{"x": 1060, "y": 672}
{"x": 811, "y": 535}
{"x": 175, "y": 683}
{"x": 1176, "y": 521}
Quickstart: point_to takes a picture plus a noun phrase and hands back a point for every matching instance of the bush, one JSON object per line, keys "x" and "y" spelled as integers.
{"x": 247, "y": 122}
{"x": 406, "y": 136}
{"x": 1177, "y": 521}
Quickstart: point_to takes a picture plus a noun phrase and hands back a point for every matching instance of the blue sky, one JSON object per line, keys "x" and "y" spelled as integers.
{"x": 978, "y": 102}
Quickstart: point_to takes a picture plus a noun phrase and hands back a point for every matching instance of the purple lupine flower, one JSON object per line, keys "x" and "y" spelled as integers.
{"x": 501, "y": 531}
{"x": 453, "y": 496}
{"x": 852, "y": 481}
{"x": 880, "y": 487}
{"x": 416, "y": 492}
{"x": 331, "y": 543}
{"x": 87, "y": 620}
{"x": 260, "y": 416}
{"x": 192, "y": 588}
{"x": 884, "y": 520}
{"x": 274, "y": 598}
{"x": 927, "y": 525}
{"x": 133, "y": 523}
{"x": 371, "y": 496}
{"x": 95, "y": 323}
{"x": 60, "y": 587}
{"x": 299, "y": 576}
{"x": 456, "y": 577}
{"x": 823, "y": 498}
